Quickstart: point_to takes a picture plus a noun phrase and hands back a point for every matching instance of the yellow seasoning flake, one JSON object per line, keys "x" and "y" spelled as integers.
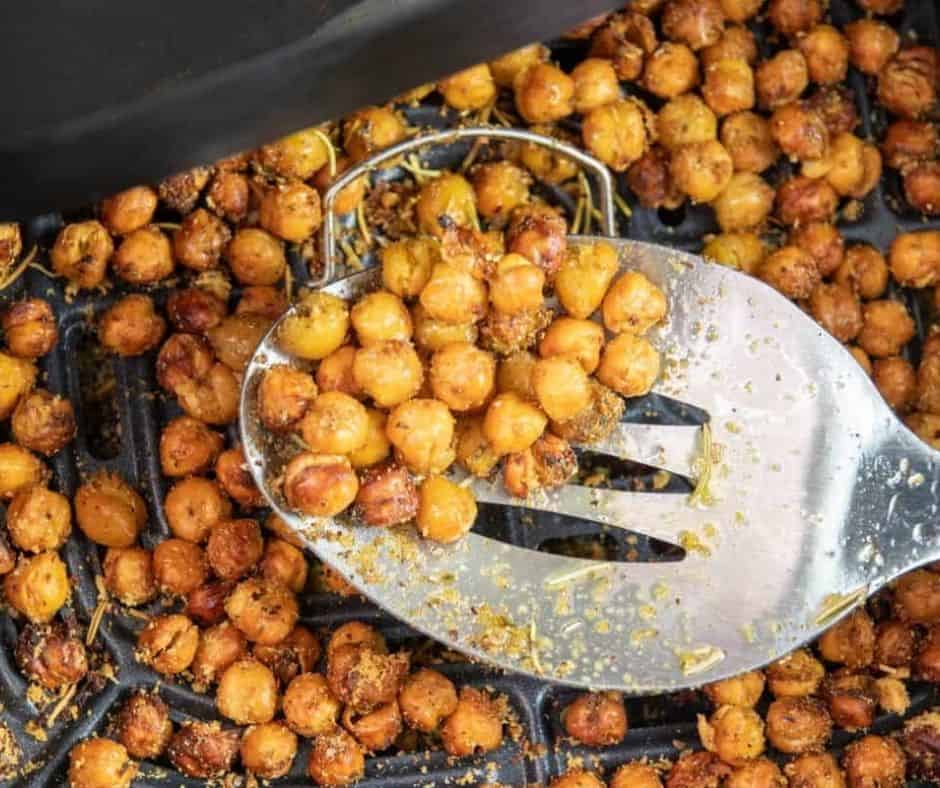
{"x": 659, "y": 590}
{"x": 638, "y": 636}
{"x": 602, "y": 627}
{"x": 699, "y": 659}
{"x": 646, "y": 612}
{"x": 692, "y": 544}
{"x": 749, "y": 632}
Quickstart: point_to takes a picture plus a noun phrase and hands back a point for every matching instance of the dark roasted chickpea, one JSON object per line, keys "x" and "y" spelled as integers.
{"x": 268, "y": 750}
{"x": 617, "y": 133}
{"x": 651, "y": 181}
{"x": 179, "y": 567}
{"x": 837, "y": 309}
{"x": 290, "y": 211}
{"x": 800, "y": 132}
{"x": 470, "y": 89}
{"x": 39, "y": 519}
{"x": 284, "y": 395}
{"x": 231, "y": 471}
{"x": 446, "y": 511}
{"x": 297, "y": 653}
{"x": 474, "y": 726}
{"x": 852, "y": 699}
{"x": 874, "y": 761}
{"x": 894, "y": 643}
{"x": 824, "y": 244}
{"x": 896, "y": 381}
{"x": 729, "y": 86}
{"x": 743, "y": 690}
{"x": 234, "y": 547}
{"x": 299, "y": 155}
{"x": 183, "y": 357}
{"x": 199, "y": 242}
{"x": 168, "y": 643}
{"x": 781, "y": 79}
{"x": 736, "y": 43}
{"x": 907, "y": 83}
{"x": 265, "y": 612}
{"x": 506, "y": 334}
{"x": 362, "y": 678}
{"x": 128, "y": 575}
{"x": 872, "y": 44}
{"x": 907, "y": 142}
{"x": 187, "y": 446}
{"x": 836, "y": 105}
{"x": 376, "y": 730}
{"x": 624, "y": 39}
{"x": 17, "y": 376}
{"x": 697, "y": 23}
{"x": 387, "y": 496}
{"x": 203, "y": 749}
{"x": 181, "y": 191}
{"x": 596, "y": 719}
{"x": 543, "y": 93}
{"x": 29, "y": 328}
{"x": 920, "y": 744}
{"x": 144, "y": 725}
{"x": 220, "y": 646}
{"x": 815, "y": 770}
{"x": 144, "y": 257}
{"x": 917, "y": 597}
{"x": 926, "y": 665}
{"x": 321, "y": 485}
{"x": 228, "y": 196}
{"x": 109, "y": 511}
{"x": 794, "y": 16}
{"x": 928, "y": 383}
{"x": 851, "y": 642}
{"x": 538, "y": 233}
{"x": 131, "y": 326}
{"x": 864, "y": 270}
{"x": 697, "y": 770}
{"x": 38, "y": 586}
{"x": 81, "y": 253}
{"x": 52, "y": 655}
{"x": 505, "y": 68}
{"x": 685, "y": 120}
{"x": 310, "y": 708}
{"x": 43, "y": 422}
{"x": 796, "y": 675}
{"x": 336, "y": 758}
{"x": 247, "y": 693}
{"x": 256, "y": 257}
{"x": 369, "y": 130}
{"x": 734, "y": 733}
{"x": 19, "y": 469}
{"x": 195, "y": 310}
{"x": 827, "y": 54}
{"x": 100, "y": 763}
{"x": 886, "y": 328}
{"x": 801, "y": 200}
{"x": 702, "y": 170}
{"x": 264, "y": 300}
{"x": 670, "y": 70}
{"x": 798, "y": 725}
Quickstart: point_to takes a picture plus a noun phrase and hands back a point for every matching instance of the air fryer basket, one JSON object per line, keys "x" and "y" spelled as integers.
{"x": 118, "y": 430}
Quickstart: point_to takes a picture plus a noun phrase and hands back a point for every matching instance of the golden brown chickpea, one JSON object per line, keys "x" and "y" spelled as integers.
{"x": 917, "y": 597}
{"x": 387, "y": 496}
{"x": 537, "y": 232}
{"x": 19, "y": 469}
{"x": 81, "y": 253}
{"x": 310, "y": 708}
{"x": 577, "y": 779}
{"x": 265, "y": 612}
{"x": 422, "y": 432}
{"x": 928, "y": 383}
{"x": 128, "y": 575}
{"x": 824, "y": 244}
{"x": 596, "y": 719}
{"x": 625, "y": 39}
{"x": 43, "y": 422}
{"x": 129, "y": 210}
{"x": 543, "y": 93}
{"x": 579, "y": 339}
{"x": 684, "y": 121}
{"x": 220, "y": 646}
{"x": 11, "y": 244}
{"x": 671, "y": 70}
{"x": 702, "y": 170}
{"x": 886, "y": 328}
{"x": 369, "y": 130}
{"x": 741, "y": 251}
{"x": 17, "y": 376}
{"x": 376, "y": 447}
{"x": 915, "y": 258}
{"x": 507, "y": 334}
{"x": 336, "y": 758}
{"x": 837, "y": 309}
{"x": 561, "y": 387}
{"x": 356, "y": 633}
{"x": 100, "y": 763}
{"x": 321, "y": 485}
{"x": 795, "y": 676}
{"x": 454, "y": 296}
{"x": 180, "y": 192}
{"x": 729, "y": 86}
{"x": 284, "y": 396}
{"x": 263, "y": 300}
{"x": 814, "y": 771}
{"x": 297, "y": 653}
{"x": 363, "y": 678}
{"x": 200, "y": 240}
{"x": 759, "y": 773}
{"x": 744, "y": 203}
{"x": 446, "y": 511}
{"x": 827, "y": 54}
{"x": 697, "y": 770}
{"x": 926, "y": 665}
{"x": 39, "y": 519}
{"x": 426, "y": 698}
{"x": 843, "y": 166}
{"x": 474, "y": 726}
{"x": 474, "y": 454}
{"x": 792, "y": 271}
{"x": 168, "y": 643}
{"x": 144, "y": 725}
{"x": 389, "y": 372}
{"x": 268, "y": 750}
{"x": 516, "y": 285}
{"x": 470, "y": 89}
{"x": 203, "y": 749}
{"x": 617, "y": 133}
{"x": 546, "y": 164}
{"x": 743, "y": 690}
{"x": 317, "y": 328}
{"x": 595, "y": 84}
{"x": 432, "y": 335}
{"x": 234, "y": 547}
{"x": 506, "y": 67}
{"x": 511, "y": 424}
{"x": 131, "y": 326}
{"x": 874, "y": 761}
{"x": 109, "y": 511}
{"x": 179, "y": 567}
{"x": 144, "y": 257}
{"x": 228, "y": 196}
{"x": 798, "y": 725}
{"x": 794, "y": 16}
{"x": 38, "y": 586}
{"x": 697, "y": 23}
{"x": 896, "y": 381}
{"x": 584, "y": 277}
{"x": 256, "y": 257}
{"x": 800, "y": 132}
{"x": 350, "y": 196}
{"x": 247, "y": 693}
{"x": 187, "y": 446}
{"x": 290, "y": 211}
{"x": 635, "y": 775}
{"x": 298, "y": 155}
{"x": 514, "y": 374}
{"x": 907, "y": 142}
{"x": 183, "y": 357}
{"x": 445, "y": 200}
{"x": 335, "y": 373}
{"x": 894, "y": 643}
{"x": 748, "y": 139}
{"x": 907, "y": 83}
{"x": 231, "y": 471}
{"x": 734, "y": 733}
{"x": 51, "y": 655}
{"x": 462, "y": 375}
{"x": 629, "y": 365}
{"x": 380, "y": 317}
{"x": 195, "y": 310}
{"x": 864, "y": 270}
{"x": 736, "y": 43}
{"x": 29, "y": 328}
{"x": 214, "y": 399}
{"x": 407, "y": 264}
{"x": 922, "y": 187}
{"x": 376, "y": 730}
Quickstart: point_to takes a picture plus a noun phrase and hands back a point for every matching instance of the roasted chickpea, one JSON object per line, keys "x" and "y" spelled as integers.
{"x": 701, "y": 769}
{"x": 629, "y": 365}
{"x": 671, "y": 70}
{"x": 886, "y": 328}
{"x": 203, "y": 749}
{"x": 17, "y": 376}
{"x": 381, "y": 317}
{"x": 922, "y": 187}
{"x": 131, "y": 326}
{"x": 39, "y": 519}
{"x": 919, "y": 740}
{"x": 907, "y": 142}
{"x": 387, "y": 496}
{"x": 234, "y": 547}
{"x": 390, "y": 372}
{"x": 742, "y": 251}
{"x": 284, "y": 396}
{"x": 748, "y": 139}
{"x": 299, "y": 155}
{"x": 200, "y": 240}
{"x": 188, "y": 446}
{"x": 310, "y": 707}
{"x": 100, "y": 763}
{"x": 744, "y": 203}
{"x": 824, "y": 244}
{"x": 794, "y": 16}
{"x": 836, "y": 105}
{"x": 596, "y": 719}
{"x": 684, "y": 121}
{"x": 633, "y": 304}
{"x": 827, "y": 54}
{"x": 376, "y": 730}
{"x": 268, "y": 750}
{"x": 871, "y": 44}
{"x": 336, "y": 758}
{"x": 914, "y": 258}
{"x": 129, "y": 210}
{"x": 265, "y": 612}
{"x": 462, "y": 375}
{"x": 801, "y": 200}
{"x": 38, "y": 586}
{"x": 289, "y": 211}
{"x": 407, "y": 264}
{"x": 109, "y": 511}
{"x": 220, "y": 646}
{"x": 852, "y": 699}
{"x": 595, "y": 84}
{"x": 19, "y": 469}
{"x": 874, "y": 760}
{"x": 743, "y": 690}
{"x": 507, "y": 334}
{"x": 894, "y": 643}
{"x": 729, "y": 86}
{"x": 264, "y": 300}
{"x": 43, "y": 422}
{"x": 474, "y": 454}
{"x": 285, "y": 564}
{"x": 798, "y": 725}
{"x": 179, "y": 567}
{"x": 422, "y": 432}
{"x": 364, "y": 679}
{"x": 231, "y": 471}
{"x": 335, "y": 372}
{"x": 29, "y": 328}
{"x": 53, "y": 656}
{"x": 584, "y": 278}
{"x": 321, "y": 485}
{"x": 317, "y": 328}
{"x": 431, "y": 335}
{"x": 792, "y": 271}
{"x": 697, "y": 23}
{"x": 928, "y": 383}
{"x": 896, "y": 381}
{"x": 795, "y": 676}
{"x": 546, "y": 164}
{"x": 228, "y": 196}
{"x": 543, "y": 93}
{"x": 917, "y": 597}
{"x": 350, "y": 196}
{"x": 144, "y": 725}
{"x": 376, "y": 447}
{"x": 470, "y": 89}
{"x": 128, "y": 575}
{"x": 651, "y": 181}
{"x": 168, "y": 643}
{"x": 800, "y": 132}
{"x": 516, "y": 285}
{"x": 247, "y": 693}
{"x": 256, "y": 257}
{"x": 474, "y": 726}
{"x": 864, "y": 270}
{"x": 702, "y": 170}
{"x": 426, "y": 698}
{"x": 444, "y": 201}
{"x": 511, "y": 424}
{"x": 617, "y": 133}
{"x": 926, "y": 665}
{"x": 194, "y": 310}
{"x": 577, "y": 778}
{"x": 81, "y": 253}
{"x": 815, "y": 771}
{"x": 837, "y": 309}
{"x": 843, "y": 166}
{"x": 561, "y": 386}
{"x": 907, "y": 83}
{"x": 624, "y": 39}
{"x": 371, "y": 129}
{"x": 144, "y": 257}
{"x": 734, "y": 733}
{"x": 579, "y": 339}
{"x": 635, "y": 775}
{"x": 446, "y": 511}
{"x": 506, "y": 67}
{"x": 453, "y": 295}
{"x": 180, "y": 192}
{"x": 182, "y": 358}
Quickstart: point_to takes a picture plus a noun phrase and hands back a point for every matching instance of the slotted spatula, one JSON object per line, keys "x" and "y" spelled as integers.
{"x": 817, "y": 496}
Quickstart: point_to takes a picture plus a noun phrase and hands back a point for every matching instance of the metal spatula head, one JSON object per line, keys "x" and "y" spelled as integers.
{"x": 810, "y": 496}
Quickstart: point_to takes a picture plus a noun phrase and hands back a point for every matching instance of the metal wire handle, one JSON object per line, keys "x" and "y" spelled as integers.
{"x": 600, "y": 172}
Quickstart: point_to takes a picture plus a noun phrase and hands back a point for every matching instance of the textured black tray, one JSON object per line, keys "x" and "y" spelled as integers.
{"x": 657, "y": 724}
